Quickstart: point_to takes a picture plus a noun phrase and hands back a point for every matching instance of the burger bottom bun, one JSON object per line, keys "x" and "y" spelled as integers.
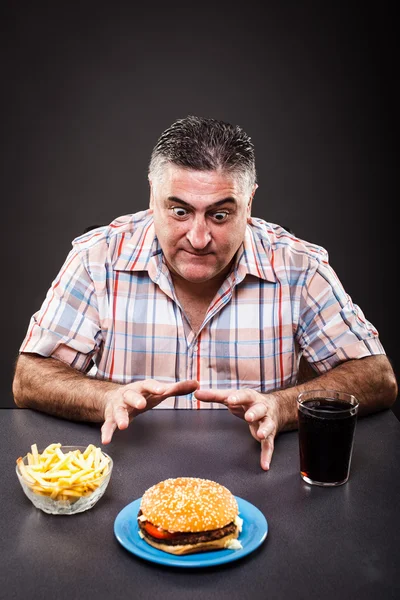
{"x": 193, "y": 548}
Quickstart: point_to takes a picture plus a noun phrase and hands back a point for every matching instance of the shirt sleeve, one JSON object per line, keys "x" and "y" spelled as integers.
{"x": 331, "y": 328}
{"x": 67, "y": 325}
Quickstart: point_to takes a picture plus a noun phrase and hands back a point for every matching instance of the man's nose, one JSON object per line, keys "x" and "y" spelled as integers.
{"x": 199, "y": 235}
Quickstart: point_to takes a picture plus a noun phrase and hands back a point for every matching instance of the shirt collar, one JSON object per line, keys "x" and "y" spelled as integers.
{"x": 253, "y": 256}
{"x": 142, "y": 252}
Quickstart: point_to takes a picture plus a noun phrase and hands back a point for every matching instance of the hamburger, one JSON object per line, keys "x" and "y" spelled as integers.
{"x": 187, "y": 515}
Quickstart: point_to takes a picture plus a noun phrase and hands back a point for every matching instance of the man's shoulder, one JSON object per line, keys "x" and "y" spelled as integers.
{"x": 280, "y": 239}
{"x": 106, "y": 235}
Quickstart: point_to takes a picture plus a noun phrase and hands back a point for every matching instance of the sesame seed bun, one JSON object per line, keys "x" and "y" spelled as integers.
{"x": 189, "y": 504}
{"x": 187, "y": 515}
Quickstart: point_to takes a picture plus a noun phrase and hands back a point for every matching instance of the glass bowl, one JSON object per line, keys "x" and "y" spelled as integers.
{"x": 69, "y": 498}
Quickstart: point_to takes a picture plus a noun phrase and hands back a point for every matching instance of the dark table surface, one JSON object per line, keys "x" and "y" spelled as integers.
{"x": 322, "y": 542}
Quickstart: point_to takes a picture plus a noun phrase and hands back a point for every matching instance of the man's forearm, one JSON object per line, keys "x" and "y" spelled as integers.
{"x": 51, "y": 386}
{"x": 371, "y": 380}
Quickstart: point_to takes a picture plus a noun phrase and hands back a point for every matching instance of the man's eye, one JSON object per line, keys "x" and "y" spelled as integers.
{"x": 220, "y": 216}
{"x": 179, "y": 211}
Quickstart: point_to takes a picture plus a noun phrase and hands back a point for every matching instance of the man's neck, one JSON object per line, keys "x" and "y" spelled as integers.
{"x": 206, "y": 289}
{"x": 195, "y": 298}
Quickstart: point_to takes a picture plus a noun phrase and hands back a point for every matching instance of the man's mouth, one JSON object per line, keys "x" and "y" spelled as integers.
{"x": 197, "y": 254}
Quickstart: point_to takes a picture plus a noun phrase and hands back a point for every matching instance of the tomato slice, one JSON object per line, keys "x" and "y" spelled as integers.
{"x": 157, "y": 532}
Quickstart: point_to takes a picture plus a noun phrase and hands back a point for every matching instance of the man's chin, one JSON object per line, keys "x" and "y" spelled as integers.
{"x": 200, "y": 272}
{"x": 198, "y": 278}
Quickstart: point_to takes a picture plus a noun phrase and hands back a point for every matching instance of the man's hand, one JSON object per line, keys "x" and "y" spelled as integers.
{"x": 261, "y": 411}
{"x": 126, "y": 402}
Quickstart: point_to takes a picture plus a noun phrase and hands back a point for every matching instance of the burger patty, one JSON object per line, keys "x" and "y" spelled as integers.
{"x": 191, "y": 538}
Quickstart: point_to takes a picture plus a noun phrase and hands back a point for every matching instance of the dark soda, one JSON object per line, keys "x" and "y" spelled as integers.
{"x": 326, "y": 433}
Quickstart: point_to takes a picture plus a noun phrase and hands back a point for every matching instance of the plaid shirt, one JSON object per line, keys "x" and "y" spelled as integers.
{"x": 113, "y": 305}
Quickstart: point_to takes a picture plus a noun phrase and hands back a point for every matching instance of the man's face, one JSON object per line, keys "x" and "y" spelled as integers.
{"x": 200, "y": 220}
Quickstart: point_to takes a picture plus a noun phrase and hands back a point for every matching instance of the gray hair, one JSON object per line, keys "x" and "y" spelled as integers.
{"x": 205, "y": 145}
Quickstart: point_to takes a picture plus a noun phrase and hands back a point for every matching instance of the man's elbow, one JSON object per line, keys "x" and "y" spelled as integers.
{"x": 16, "y": 390}
{"x": 18, "y": 387}
{"x": 388, "y": 386}
{"x": 391, "y": 390}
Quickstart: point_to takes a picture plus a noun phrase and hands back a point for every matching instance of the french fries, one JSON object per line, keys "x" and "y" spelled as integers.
{"x": 64, "y": 476}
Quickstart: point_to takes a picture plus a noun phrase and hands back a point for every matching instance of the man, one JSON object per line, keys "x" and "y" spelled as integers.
{"x": 195, "y": 304}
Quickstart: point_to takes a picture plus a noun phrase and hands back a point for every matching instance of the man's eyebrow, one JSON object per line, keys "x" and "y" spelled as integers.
{"x": 228, "y": 200}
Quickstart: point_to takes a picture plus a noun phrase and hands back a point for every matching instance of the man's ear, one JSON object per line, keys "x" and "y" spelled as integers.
{"x": 250, "y": 202}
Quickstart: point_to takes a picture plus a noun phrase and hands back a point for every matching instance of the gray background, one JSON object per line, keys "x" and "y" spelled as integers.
{"x": 88, "y": 89}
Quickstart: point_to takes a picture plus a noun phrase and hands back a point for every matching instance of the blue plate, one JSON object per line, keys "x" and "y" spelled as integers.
{"x": 254, "y": 532}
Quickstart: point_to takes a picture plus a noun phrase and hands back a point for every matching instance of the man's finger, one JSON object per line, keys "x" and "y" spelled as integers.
{"x": 107, "y": 431}
{"x": 155, "y": 388}
{"x": 134, "y": 399}
{"x": 256, "y": 412}
{"x": 264, "y": 428}
{"x": 148, "y": 386}
{"x": 245, "y": 397}
{"x": 267, "y": 449}
{"x": 213, "y": 395}
{"x": 181, "y": 388}
{"x": 121, "y": 416}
